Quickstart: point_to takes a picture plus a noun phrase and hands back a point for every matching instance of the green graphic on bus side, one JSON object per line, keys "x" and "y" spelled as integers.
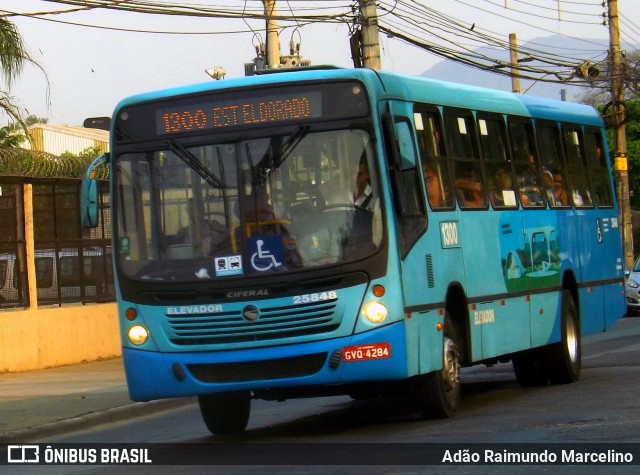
{"x": 531, "y": 258}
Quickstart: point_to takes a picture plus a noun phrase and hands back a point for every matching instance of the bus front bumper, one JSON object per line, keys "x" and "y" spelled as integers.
{"x": 377, "y": 355}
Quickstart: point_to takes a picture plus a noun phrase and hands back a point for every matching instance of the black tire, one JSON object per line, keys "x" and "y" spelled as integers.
{"x": 226, "y": 413}
{"x": 529, "y": 368}
{"x": 563, "y": 360}
{"x": 438, "y": 393}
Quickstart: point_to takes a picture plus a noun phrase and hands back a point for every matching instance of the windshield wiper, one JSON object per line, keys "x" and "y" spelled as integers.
{"x": 292, "y": 142}
{"x": 192, "y": 161}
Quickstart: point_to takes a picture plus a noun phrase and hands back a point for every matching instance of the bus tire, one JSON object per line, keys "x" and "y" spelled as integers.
{"x": 529, "y": 368}
{"x": 438, "y": 392}
{"x": 564, "y": 359}
{"x": 225, "y": 413}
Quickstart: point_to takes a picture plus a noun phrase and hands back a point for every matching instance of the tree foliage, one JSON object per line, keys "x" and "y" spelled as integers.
{"x": 13, "y": 136}
{"x": 600, "y": 95}
{"x": 13, "y": 57}
{"x": 88, "y": 153}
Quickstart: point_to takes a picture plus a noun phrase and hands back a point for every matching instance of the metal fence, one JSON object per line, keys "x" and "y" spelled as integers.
{"x": 72, "y": 264}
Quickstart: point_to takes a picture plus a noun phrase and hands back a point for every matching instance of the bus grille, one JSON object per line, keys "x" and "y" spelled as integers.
{"x": 273, "y": 323}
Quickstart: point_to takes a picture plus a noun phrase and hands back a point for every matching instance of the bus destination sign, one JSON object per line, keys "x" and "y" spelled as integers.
{"x": 238, "y": 112}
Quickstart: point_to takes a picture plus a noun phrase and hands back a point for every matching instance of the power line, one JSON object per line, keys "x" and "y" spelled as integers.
{"x": 410, "y": 21}
{"x": 453, "y": 34}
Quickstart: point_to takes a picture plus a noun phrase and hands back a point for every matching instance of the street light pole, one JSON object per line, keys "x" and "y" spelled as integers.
{"x": 620, "y": 139}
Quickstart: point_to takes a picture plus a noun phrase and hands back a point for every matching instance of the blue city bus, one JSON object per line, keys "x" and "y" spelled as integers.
{"x": 353, "y": 232}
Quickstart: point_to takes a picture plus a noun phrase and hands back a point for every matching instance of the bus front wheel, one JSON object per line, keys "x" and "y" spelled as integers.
{"x": 438, "y": 393}
{"x": 225, "y": 413}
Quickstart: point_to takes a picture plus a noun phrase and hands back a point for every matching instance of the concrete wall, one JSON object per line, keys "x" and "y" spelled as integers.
{"x": 37, "y": 338}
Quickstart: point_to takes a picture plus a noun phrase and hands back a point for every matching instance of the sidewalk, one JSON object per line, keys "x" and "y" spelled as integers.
{"x": 37, "y": 404}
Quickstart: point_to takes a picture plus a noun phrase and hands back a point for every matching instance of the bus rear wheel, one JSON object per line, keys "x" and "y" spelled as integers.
{"x": 225, "y": 413}
{"x": 564, "y": 359}
{"x": 438, "y": 393}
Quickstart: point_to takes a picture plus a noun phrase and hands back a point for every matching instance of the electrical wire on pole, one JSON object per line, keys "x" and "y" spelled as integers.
{"x": 273, "y": 40}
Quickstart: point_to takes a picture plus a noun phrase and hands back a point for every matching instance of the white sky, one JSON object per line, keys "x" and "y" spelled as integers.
{"x": 90, "y": 70}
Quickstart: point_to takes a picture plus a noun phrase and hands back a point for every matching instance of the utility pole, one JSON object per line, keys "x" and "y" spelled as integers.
{"x": 273, "y": 41}
{"x": 620, "y": 139}
{"x": 370, "y": 35}
{"x": 515, "y": 74}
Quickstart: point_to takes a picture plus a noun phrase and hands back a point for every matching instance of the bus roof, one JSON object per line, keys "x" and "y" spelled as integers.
{"x": 395, "y": 86}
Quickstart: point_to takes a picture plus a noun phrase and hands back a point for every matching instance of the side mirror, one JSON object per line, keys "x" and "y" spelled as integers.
{"x": 89, "y": 194}
{"x": 89, "y": 203}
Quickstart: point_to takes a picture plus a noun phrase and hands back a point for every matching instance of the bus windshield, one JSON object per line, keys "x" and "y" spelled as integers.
{"x": 292, "y": 199}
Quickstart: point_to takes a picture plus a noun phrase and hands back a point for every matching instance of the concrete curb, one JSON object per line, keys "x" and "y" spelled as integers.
{"x": 128, "y": 411}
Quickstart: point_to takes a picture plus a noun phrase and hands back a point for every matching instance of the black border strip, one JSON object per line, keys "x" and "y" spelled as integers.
{"x": 509, "y": 295}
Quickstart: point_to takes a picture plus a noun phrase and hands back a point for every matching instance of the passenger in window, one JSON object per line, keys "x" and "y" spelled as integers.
{"x": 547, "y": 179}
{"x": 502, "y": 193}
{"x": 560, "y": 196}
{"x": 529, "y": 174}
{"x": 363, "y": 196}
{"x": 432, "y": 184}
{"x": 208, "y": 237}
{"x": 528, "y": 183}
{"x": 257, "y": 206}
{"x": 469, "y": 189}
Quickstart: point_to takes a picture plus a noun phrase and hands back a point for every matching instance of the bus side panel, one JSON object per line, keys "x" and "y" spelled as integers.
{"x": 616, "y": 304}
{"x": 601, "y": 260}
{"x": 424, "y": 342}
{"x": 545, "y": 318}
{"x": 496, "y": 329}
{"x": 433, "y": 262}
{"x": 428, "y": 269}
{"x": 592, "y": 309}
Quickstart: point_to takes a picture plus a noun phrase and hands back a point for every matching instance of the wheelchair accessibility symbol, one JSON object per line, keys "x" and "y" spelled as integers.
{"x": 266, "y": 253}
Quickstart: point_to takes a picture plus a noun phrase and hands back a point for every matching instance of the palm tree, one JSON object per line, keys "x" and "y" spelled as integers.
{"x": 12, "y": 58}
{"x": 10, "y": 137}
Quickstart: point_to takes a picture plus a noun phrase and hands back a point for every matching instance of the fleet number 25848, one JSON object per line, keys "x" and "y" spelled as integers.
{"x": 317, "y": 297}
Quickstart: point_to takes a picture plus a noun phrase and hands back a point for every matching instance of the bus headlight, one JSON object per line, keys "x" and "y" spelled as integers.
{"x": 138, "y": 334}
{"x": 375, "y": 312}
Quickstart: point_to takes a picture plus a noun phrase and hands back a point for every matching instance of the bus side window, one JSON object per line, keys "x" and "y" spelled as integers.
{"x": 597, "y": 168}
{"x": 435, "y": 172}
{"x": 576, "y": 167}
{"x": 496, "y": 160}
{"x": 461, "y": 139}
{"x": 552, "y": 164}
{"x": 468, "y": 185}
{"x": 523, "y": 152}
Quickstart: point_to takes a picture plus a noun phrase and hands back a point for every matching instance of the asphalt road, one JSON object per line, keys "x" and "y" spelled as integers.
{"x": 601, "y": 408}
